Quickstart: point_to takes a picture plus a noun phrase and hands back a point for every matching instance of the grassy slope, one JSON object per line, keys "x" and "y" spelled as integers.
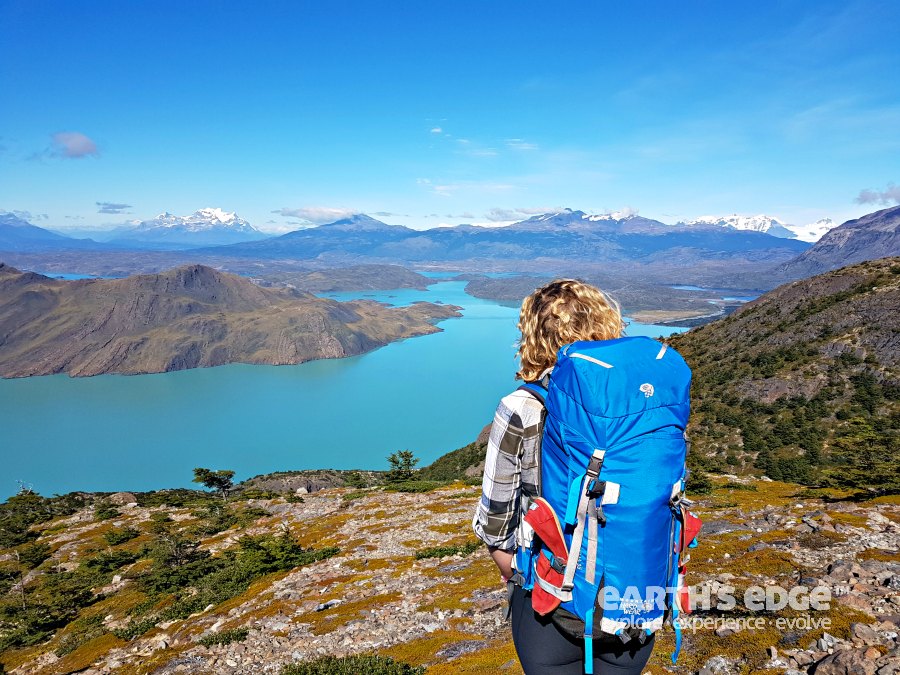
{"x": 804, "y": 383}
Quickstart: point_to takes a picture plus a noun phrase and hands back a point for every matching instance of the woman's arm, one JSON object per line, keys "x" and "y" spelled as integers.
{"x": 497, "y": 515}
{"x": 503, "y": 560}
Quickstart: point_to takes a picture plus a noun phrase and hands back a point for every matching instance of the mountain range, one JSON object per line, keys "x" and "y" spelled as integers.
{"x": 762, "y": 223}
{"x": 187, "y": 317}
{"x": 710, "y": 252}
{"x": 567, "y": 235}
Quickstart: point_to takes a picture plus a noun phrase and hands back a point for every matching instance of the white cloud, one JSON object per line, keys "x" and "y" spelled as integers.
{"x": 890, "y": 195}
{"x": 112, "y": 207}
{"x": 437, "y": 130}
{"x": 316, "y": 214}
{"x": 519, "y": 144}
{"x": 499, "y": 215}
{"x": 73, "y": 145}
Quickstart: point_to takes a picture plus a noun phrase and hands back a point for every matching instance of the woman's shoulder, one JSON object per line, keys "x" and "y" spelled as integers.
{"x": 523, "y": 404}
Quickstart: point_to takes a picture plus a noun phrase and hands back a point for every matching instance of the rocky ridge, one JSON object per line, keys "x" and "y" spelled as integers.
{"x": 875, "y": 235}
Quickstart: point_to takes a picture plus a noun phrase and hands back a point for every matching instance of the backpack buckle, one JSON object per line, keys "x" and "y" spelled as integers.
{"x": 557, "y": 564}
{"x": 595, "y": 488}
{"x": 595, "y": 463}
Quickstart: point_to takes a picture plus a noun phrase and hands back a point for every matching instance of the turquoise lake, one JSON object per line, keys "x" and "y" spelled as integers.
{"x": 428, "y": 394}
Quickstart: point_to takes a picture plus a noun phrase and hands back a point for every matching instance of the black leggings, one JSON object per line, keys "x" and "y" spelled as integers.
{"x": 544, "y": 650}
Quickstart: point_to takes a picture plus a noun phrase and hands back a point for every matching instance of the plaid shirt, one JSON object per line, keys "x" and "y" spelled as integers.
{"x": 511, "y": 469}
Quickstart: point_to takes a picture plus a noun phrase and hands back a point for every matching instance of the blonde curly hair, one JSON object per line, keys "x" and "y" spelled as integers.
{"x": 562, "y": 312}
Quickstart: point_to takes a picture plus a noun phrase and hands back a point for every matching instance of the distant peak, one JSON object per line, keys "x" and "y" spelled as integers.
{"x": 359, "y": 220}
{"x": 206, "y": 219}
{"x": 216, "y": 214}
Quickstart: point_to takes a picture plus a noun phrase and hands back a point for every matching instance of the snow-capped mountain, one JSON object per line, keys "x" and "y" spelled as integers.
{"x": 206, "y": 227}
{"x": 813, "y": 231}
{"x": 768, "y": 224}
{"x": 760, "y": 223}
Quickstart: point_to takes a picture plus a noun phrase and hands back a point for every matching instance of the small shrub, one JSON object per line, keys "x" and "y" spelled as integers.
{"x": 103, "y": 510}
{"x": 749, "y": 487}
{"x": 176, "y": 497}
{"x": 352, "y": 665}
{"x": 135, "y": 628}
{"x": 821, "y": 539}
{"x": 120, "y": 535}
{"x": 699, "y": 483}
{"x": 415, "y": 486}
{"x": 107, "y": 562}
{"x": 32, "y": 555}
{"x": 295, "y": 499}
{"x": 225, "y": 637}
{"x": 356, "y": 494}
{"x": 444, "y": 551}
{"x": 82, "y": 632}
{"x": 811, "y": 493}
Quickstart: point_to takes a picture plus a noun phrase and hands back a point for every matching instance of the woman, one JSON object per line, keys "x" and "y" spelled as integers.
{"x": 560, "y": 313}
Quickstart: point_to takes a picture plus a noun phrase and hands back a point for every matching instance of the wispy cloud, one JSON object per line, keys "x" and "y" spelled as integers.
{"x": 890, "y": 195}
{"x": 437, "y": 130}
{"x": 112, "y": 207}
{"x": 519, "y": 144}
{"x": 388, "y": 214}
{"x": 26, "y": 215}
{"x": 73, "y": 145}
{"x": 466, "y": 146}
{"x": 467, "y": 187}
{"x": 316, "y": 214}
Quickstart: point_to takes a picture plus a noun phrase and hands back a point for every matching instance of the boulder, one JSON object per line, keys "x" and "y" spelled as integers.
{"x": 719, "y": 665}
{"x": 846, "y": 662}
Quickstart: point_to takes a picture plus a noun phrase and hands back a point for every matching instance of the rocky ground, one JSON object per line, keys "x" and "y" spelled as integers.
{"x": 375, "y": 596}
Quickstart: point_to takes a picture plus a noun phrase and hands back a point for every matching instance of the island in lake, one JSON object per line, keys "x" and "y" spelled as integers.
{"x": 188, "y": 317}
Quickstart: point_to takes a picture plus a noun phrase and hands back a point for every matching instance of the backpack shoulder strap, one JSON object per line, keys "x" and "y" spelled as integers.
{"x": 536, "y": 389}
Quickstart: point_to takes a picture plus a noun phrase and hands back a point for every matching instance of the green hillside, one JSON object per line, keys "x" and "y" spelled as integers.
{"x": 803, "y": 384}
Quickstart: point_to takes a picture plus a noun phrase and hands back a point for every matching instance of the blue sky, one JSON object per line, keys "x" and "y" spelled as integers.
{"x": 447, "y": 112}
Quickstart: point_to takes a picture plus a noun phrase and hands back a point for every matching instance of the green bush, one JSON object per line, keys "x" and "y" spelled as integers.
{"x": 195, "y": 579}
{"x": 109, "y": 561}
{"x": 352, "y": 665}
{"x": 103, "y": 510}
{"x": 135, "y": 628}
{"x": 445, "y": 551}
{"x": 177, "y": 497}
{"x": 21, "y": 511}
{"x": 32, "y": 555}
{"x": 225, "y": 637}
{"x": 698, "y": 483}
{"x": 453, "y": 465}
{"x": 120, "y": 535}
{"x": 81, "y": 631}
{"x": 749, "y": 487}
{"x": 415, "y": 486}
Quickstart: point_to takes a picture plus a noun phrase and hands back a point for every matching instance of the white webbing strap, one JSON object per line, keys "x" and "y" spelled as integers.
{"x": 592, "y": 526}
{"x": 577, "y": 536}
{"x": 581, "y": 515}
{"x": 565, "y": 595}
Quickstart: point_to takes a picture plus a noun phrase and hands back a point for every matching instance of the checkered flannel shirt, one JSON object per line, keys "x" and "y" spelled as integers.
{"x": 511, "y": 469}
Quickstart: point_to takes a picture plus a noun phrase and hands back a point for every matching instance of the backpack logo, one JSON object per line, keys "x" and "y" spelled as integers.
{"x": 647, "y": 390}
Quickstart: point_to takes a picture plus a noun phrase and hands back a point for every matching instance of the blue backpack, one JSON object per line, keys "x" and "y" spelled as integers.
{"x": 612, "y": 480}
